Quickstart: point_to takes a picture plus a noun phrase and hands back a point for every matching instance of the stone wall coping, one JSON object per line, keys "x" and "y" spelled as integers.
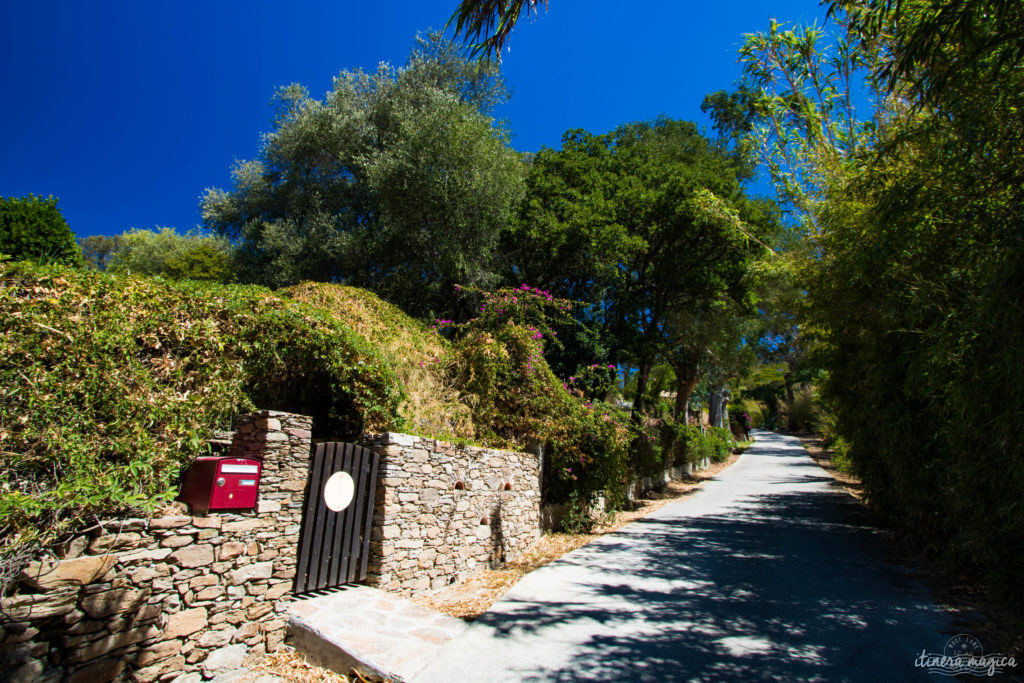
{"x": 272, "y": 413}
{"x": 402, "y": 439}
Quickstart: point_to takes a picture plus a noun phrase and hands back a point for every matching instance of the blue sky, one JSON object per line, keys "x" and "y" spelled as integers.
{"x": 127, "y": 111}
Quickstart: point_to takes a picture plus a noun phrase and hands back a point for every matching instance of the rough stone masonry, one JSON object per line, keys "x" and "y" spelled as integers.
{"x": 151, "y": 599}
{"x": 186, "y": 596}
{"x": 444, "y": 511}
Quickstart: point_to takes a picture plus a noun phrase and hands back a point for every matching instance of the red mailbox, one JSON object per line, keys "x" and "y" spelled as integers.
{"x": 221, "y": 484}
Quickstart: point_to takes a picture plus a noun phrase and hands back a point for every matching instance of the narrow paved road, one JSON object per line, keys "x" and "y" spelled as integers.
{"x": 771, "y": 572}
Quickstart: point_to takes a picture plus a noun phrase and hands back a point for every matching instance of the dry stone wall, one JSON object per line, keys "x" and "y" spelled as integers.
{"x": 155, "y": 599}
{"x": 185, "y": 597}
{"x": 444, "y": 511}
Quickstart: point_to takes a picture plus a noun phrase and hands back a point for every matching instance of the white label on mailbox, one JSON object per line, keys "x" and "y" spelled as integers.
{"x": 239, "y": 469}
{"x": 338, "y": 491}
{"x": 246, "y": 482}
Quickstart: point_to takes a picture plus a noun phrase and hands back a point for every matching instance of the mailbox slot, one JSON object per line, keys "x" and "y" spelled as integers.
{"x": 221, "y": 484}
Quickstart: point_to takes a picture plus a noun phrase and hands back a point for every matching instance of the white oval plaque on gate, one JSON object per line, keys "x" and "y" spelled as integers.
{"x": 338, "y": 491}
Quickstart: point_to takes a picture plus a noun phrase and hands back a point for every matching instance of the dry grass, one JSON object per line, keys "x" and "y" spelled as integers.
{"x": 815, "y": 447}
{"x": 417, "y": 353}
{"x": 291, "y": 665}
{"x": 475, "y": 595}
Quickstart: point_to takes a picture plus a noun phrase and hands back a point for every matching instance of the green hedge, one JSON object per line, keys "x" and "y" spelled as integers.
{"x": 33, "y": 228}
{"x": 108, "y": 385}
{"x": 685, "y": 443}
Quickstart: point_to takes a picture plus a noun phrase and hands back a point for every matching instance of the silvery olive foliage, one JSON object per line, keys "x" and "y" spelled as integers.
{"x": 397, "y": 180}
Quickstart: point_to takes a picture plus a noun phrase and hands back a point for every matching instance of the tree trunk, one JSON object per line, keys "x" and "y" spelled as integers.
{"x": 686, "y": 381}
{"x": 790, "y": 422}
{"x": 641, "y": 387}
{"x": 716, "y": 405}
{"x": 658, "y": 387}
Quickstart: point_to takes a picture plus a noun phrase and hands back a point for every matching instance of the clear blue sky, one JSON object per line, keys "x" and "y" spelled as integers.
{"x": 127, "y": 110}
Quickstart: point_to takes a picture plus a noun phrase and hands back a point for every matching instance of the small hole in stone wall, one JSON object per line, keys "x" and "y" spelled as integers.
{"x": 508, "y": 486}
{"x": 484, "y": 521}
{"x": 460, "y": 486}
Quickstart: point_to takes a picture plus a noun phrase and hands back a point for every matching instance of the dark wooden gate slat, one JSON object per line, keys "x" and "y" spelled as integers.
{"x": 316, "y": 510}
{"x": 326, "y": 550}
{"x": 338, "y": 544}
{"x": 330, "y": 518}
{"x": 314, "y": 484}
{"x": 355, "y": 540}
{"x": 328, "y": 553}
{"x": 372, "y": 490}
{"x": 307, "y": 521}
{"x": 352, "y": 520}
{"x": 323, "y": 517}
{"x": 350, "y": 512}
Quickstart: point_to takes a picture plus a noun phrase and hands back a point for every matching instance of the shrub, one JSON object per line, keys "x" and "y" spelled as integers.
{"x": 594, "y": 381}
{"x": 690, "y": 445}
{"x": 191, "y": 256}
{"x": 33, "y": 228}
{"x": 578, "y": 518}
{"x": 421, "y": 357}
{"x": 839, "y": 447}
{"x": 722, "y": 443}
{"x": 648, "y": 455}
{"x": 755, "y": 410}
{"x": 804, "y": 411}
{"x": 108, "y": 385}
{"x": 498, "y": 362}
{"x": 588, "y": 451}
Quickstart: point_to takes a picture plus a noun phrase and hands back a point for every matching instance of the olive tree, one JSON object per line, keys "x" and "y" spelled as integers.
{"x": 399, "y": 181}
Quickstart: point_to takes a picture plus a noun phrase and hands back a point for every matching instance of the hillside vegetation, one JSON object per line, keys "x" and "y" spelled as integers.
{"x": 416, "y": 352}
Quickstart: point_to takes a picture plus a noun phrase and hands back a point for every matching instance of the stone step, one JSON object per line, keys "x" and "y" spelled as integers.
{"x": 378, "y": 634}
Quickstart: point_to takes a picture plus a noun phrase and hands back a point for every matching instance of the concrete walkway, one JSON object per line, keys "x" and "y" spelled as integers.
{"x": 771, "y": 572}
{"x": 381, "y": 635}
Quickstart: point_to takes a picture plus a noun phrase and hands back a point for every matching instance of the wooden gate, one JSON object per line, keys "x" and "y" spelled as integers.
{"x": 334, "y": 544}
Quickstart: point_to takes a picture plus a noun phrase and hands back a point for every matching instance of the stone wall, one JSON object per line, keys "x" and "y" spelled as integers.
{"x": 444, "y": 511}
{"x": 184, "y": 596}
{"x": 552, "y": 514}
{"x": 638, "y": 486}
{"x": 155, "y": 599}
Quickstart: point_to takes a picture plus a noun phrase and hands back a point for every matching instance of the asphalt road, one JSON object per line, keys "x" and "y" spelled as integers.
{"x": 770, "y": 572}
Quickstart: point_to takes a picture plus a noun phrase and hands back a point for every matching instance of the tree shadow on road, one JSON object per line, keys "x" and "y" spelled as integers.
{"x": 786, "y": 586}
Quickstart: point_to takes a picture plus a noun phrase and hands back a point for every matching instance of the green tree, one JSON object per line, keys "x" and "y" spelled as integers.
{"x": 914, "y": 276}
{"x": 398, "y": 181}
{"x": 638, "y": 224}
{"x": 34, "y": 228}
{"x": 179, "y": 257}
{"x": 708, "y": 342}
{"x": 802, "y": 85}
{"x": 99, "y": 250}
